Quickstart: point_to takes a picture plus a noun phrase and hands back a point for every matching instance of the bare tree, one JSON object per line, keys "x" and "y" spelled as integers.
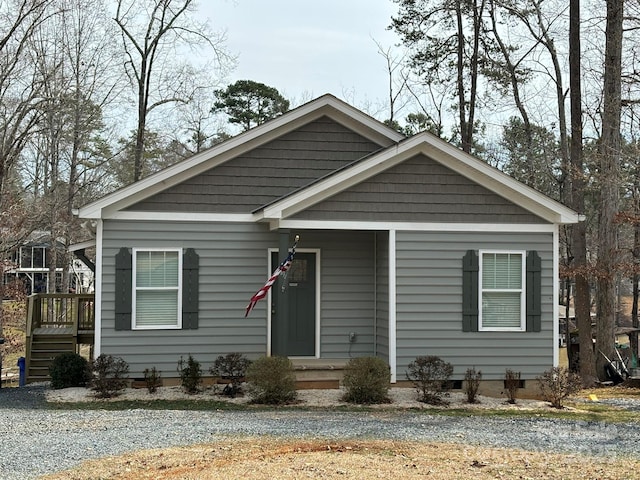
{"x": 20, "y": 80}
{"x": 446, "y": 36}
{"x": 152, "y": 29}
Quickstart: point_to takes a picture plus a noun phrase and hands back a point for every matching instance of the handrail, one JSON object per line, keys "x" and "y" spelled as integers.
{"x": 56, "y": 310}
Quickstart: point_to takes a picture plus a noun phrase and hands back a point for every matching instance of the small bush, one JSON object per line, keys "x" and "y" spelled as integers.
{"x": 109, "y": 376}
{"x": 431, "y": 376}
{"x": 231, "y": 367}
{"x": 152, "y": 379}
{"x": 366, "y": 380}
{"x": 271, "y": 380}
{"x": 512, "y": 384}
{"x": 558, "y": 383}
{"x": 472, "y": 379}
{"x": 190, "y": 375}
{"x": 69, "y": 370}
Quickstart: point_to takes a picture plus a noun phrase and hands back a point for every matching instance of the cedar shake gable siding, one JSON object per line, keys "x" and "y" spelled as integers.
{"x": 419, "y": 190}
{"x": 266, "y": 173}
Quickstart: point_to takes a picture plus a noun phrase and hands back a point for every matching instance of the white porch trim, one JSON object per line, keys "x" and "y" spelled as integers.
{"x": 97, "y": 313}
{"x": 410, "y": 226}
{"x": 556, "y": 298}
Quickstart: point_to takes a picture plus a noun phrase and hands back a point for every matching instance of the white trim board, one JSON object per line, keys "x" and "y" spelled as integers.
{"x": 270, "y": 270}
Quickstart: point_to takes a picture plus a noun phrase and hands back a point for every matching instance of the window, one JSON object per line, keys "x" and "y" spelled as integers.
{"x": 502, "y": 290}
{"x": 157, "y": 292}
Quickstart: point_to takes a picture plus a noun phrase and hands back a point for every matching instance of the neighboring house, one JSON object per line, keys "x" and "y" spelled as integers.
{"x": 408, "y": 247}
{"x": 30, "y": 264}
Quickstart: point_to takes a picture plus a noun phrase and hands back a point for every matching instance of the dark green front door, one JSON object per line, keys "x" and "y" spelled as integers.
{"x": 298, "y": 331}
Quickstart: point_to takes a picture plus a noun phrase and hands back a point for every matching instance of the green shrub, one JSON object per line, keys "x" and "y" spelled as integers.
{"x": 69, "y": 370}
{"x": 366, "y": 380}
{"x": 271, "y": 380}
{"x": 190, "y": 375}
{"x": 109, "y": 376}
{"x": 432, "y": 378}
{"x": 512, "y": 384}
{"x": 231, "y": 367}
{"x": 152, "y": 379}
{"x": 472, "y": 379}
{"x": 558, "y": 383}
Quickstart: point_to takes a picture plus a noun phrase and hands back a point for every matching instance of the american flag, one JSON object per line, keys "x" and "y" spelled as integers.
{"x": 260, "y": 294}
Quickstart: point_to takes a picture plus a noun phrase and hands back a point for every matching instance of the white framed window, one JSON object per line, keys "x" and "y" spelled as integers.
{"x": 157, "y": 288}
{"x": 502, "y": 291}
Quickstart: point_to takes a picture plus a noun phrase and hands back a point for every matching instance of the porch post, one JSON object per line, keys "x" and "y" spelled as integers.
{"x": 282, "y": 303}
{"x": 393, "y": 361}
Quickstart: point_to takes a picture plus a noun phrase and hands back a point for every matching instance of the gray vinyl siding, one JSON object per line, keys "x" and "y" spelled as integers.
{"x": 347, "y": 297}
{"x": 429, "y": 305}
{"x": 419, "y": 190}
{"x": 382, "y": 295}
{"x": 233, "y": 265}
{"x": 266, "y": 173}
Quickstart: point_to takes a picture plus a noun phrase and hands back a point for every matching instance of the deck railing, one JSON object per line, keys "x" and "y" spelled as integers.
{"x": 60, "y": 310}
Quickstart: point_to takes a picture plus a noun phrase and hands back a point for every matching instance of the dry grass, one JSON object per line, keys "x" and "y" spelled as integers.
{"x": 268, "y": 458}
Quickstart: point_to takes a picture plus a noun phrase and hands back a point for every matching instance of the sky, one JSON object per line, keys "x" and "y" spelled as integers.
{"x": 308, "y": 48}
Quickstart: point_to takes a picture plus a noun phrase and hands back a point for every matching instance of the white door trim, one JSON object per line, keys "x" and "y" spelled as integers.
{"x": 270, "y": 269}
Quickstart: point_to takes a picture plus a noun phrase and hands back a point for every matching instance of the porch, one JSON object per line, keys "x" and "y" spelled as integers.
{"x": 57, "y": 323}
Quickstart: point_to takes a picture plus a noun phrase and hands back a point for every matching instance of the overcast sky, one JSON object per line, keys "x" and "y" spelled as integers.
{"x": 306, "y": 49}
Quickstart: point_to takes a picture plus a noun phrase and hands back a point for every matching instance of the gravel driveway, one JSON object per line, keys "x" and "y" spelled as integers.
{"x": 35, "y": 440}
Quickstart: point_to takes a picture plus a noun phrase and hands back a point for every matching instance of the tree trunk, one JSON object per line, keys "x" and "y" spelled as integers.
{"x": 635, "y": 323}
{"x": 609, "y": 159}
{"x": 582, "y": 300}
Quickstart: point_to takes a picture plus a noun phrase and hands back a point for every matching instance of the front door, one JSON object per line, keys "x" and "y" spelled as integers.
{"x": 300, "y": 329}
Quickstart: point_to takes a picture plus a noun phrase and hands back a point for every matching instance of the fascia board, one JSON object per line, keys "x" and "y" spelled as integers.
{"x": 81, "y": 245}
{"x": 326, "y": 105}
{"x": 440, "y": 151}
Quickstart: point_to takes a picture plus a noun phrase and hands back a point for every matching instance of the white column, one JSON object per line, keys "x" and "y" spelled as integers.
{"x": 392, "y": 305}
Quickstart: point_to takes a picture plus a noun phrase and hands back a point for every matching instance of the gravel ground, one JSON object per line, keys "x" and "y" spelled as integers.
{"x": 35, "y": 440}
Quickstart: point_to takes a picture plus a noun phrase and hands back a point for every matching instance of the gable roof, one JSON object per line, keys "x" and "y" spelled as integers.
{"x": 326, "y": 105}
{"x": 396, "y": 149}
{"x": 440, "y": 151}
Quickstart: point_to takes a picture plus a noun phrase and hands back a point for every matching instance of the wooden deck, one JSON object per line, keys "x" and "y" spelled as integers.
{"x": 56, "y": 323}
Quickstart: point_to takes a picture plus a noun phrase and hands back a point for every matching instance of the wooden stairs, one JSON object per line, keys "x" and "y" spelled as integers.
{"x": 56, "y": 323}
{"x": 45, "y": 346}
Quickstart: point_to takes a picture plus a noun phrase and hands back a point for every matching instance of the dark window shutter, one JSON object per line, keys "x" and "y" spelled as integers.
{"x": 534, "y": 297}
{"x": 190, "y": 266}
{"x": 470, "y": 269}
{"x": 123, "y": 289}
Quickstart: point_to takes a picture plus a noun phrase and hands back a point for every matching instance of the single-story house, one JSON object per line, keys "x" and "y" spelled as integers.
{"x": 408, "y": 247}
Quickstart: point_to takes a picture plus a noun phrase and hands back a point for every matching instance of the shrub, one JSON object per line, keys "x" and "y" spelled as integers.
{"x": 472, "y": 379}
{"x": 512, "y": 384}
{"x": 190, "y": 375}
{"x": 366, "y": 380}
{"x": 109, "y": 376}
{"x": 271, "y": 380}
{"x": 152, "y": 379}
{"x": 431, "y": 376}
{"x": 69, "y": 370}
{"x": 558, "y": 383}
{"x": 231, "y": 367}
